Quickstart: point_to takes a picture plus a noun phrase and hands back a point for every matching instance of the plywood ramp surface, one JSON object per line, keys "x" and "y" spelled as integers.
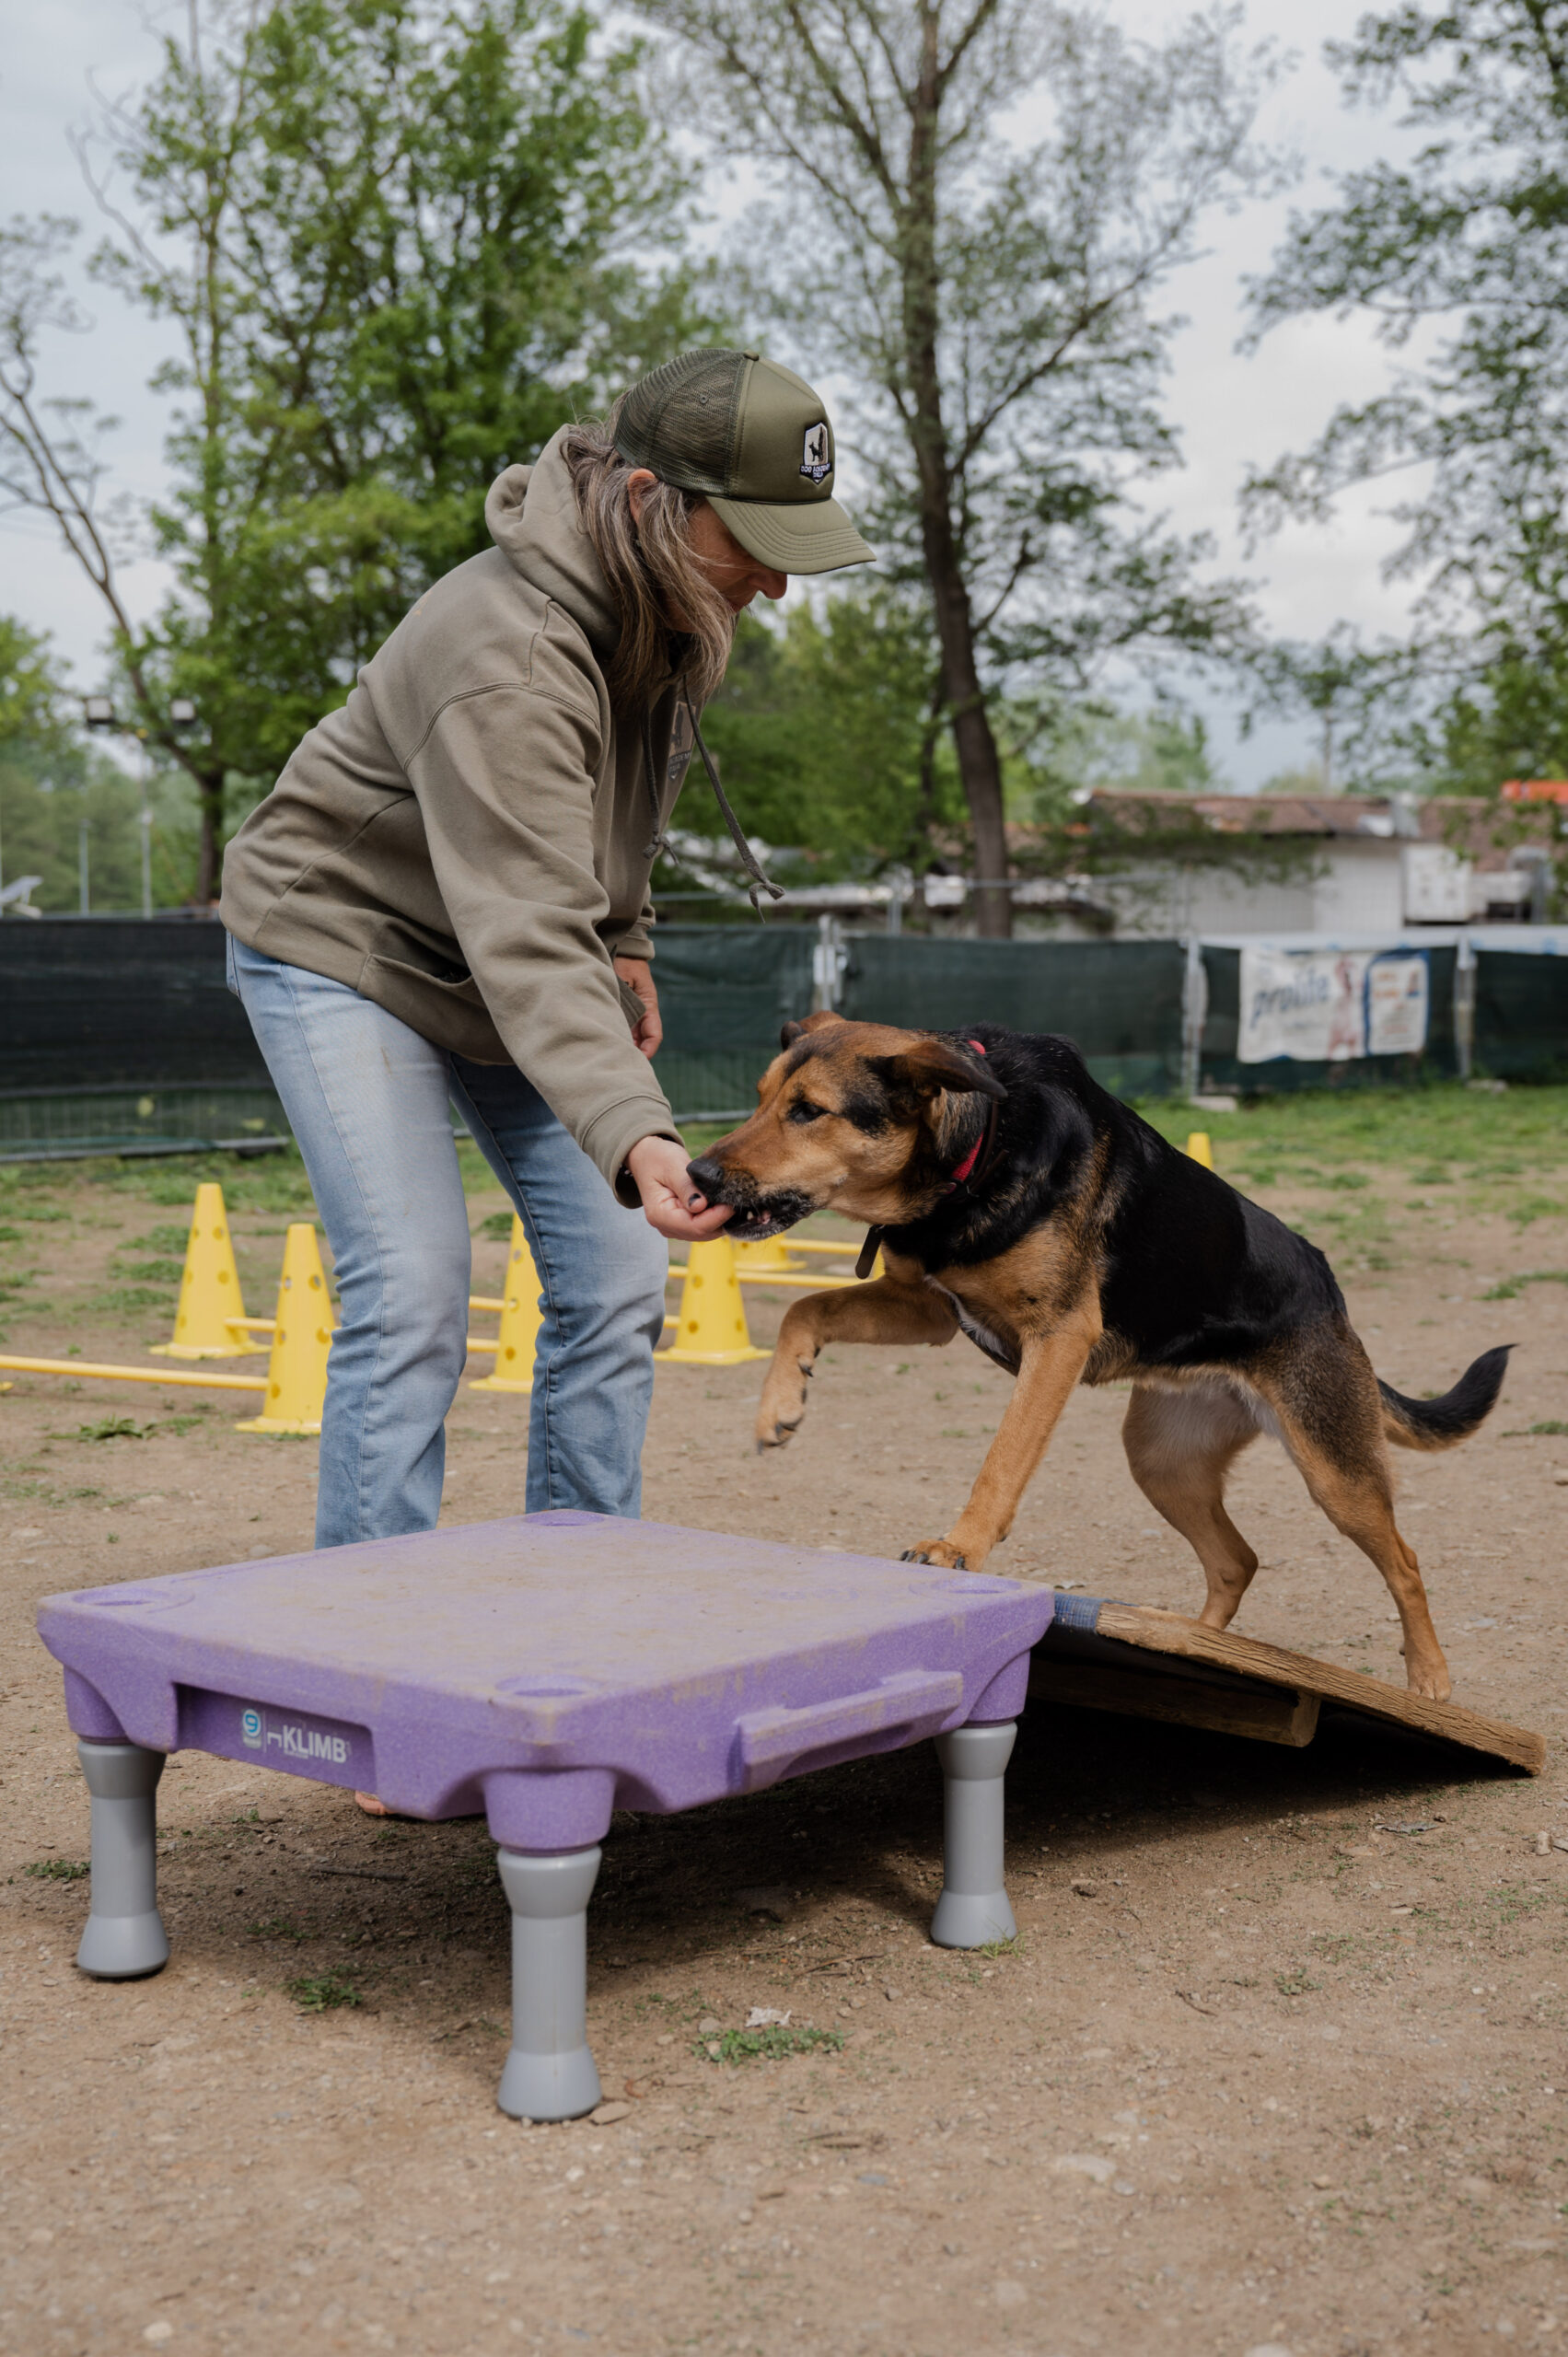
{"x": 1142, "y": 1662}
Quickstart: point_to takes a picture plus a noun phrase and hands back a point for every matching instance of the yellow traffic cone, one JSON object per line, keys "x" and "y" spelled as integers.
{"x": 205, "y": 1323}
{"x": 521, "y": 1319}
{"x": 710, "y": 1327}
{"x": 1200, "y": 1149}
{"x": 297, "y": 1372}
{"x": 771, "y": 1256}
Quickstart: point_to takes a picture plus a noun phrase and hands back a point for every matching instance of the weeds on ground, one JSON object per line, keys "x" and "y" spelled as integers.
{"x": 1509, "y": 1288}
{"x": 318, "y": 1992}
{"x": 59, "y": 1869}
{"x": 112, "y": 1428}
{"x": 768, "y": 2045}
{"x": 276, "y": 1927}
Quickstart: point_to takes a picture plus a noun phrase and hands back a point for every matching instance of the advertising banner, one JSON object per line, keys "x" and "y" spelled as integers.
{"x": 1329, "y": 1005}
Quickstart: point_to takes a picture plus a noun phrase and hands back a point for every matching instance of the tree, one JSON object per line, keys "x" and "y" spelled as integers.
{"x": 1459, "y": 257}
{"x": 991, "y": 304}
{"x": 395, "y": 251}
{"x": 58, "y": 798}
{"x": 1357, "y": 695}
{"x": 830, "y": 737}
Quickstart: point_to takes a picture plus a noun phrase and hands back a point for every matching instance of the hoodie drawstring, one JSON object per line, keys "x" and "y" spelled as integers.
{"x": 761, "y": 882}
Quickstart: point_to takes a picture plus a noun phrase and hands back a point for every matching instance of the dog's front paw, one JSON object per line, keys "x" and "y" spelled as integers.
{"x": 1430, "y": 1679}
{"x": 781, "y": 1409}
{"x": 935, "y": 1551}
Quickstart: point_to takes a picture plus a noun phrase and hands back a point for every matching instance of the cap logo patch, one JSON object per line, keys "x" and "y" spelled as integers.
{"x": 816, "y": 464}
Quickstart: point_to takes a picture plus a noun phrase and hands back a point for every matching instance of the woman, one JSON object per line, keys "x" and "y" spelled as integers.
{"x": 445, "y": 898}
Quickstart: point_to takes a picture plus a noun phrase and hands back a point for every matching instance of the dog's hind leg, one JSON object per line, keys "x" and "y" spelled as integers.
{"x": 1180, "y": 1445}
{"x": 1330, "y": 1417}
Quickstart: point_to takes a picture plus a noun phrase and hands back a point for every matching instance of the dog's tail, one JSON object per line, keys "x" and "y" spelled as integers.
{"x": 1439, "y": 1423}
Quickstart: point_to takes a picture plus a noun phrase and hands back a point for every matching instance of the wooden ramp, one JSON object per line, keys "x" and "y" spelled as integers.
{"x": 1147, "y": 1665}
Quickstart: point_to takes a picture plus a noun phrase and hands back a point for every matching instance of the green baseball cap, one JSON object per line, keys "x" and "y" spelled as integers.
{"x": 757, "y": 441}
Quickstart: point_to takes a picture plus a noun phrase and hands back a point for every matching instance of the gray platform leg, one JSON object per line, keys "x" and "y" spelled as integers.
{"x": 124, "y": 1935}
{"x": 550, "y": 2073}
{"x": 973, "y": 1907}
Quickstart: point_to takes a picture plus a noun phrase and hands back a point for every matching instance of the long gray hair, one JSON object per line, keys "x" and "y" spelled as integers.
{"x": 651, "y": 571}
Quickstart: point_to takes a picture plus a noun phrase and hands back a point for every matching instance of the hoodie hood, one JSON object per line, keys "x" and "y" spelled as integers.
{"x": 532, "y": 513}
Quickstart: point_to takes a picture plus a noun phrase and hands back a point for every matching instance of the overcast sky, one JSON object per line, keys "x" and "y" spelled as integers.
{"x": 1231, "y": 410}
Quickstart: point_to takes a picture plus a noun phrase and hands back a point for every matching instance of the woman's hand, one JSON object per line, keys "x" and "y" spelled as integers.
{"x": 671, "y": 1201}
{"x": 637, "y": 974}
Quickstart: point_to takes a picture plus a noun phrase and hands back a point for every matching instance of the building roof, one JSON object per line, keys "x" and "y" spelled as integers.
{"x": 1480, "y": 829}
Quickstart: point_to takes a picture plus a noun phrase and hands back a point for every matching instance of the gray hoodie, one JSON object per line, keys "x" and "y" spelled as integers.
{"x": 468, "y": 841}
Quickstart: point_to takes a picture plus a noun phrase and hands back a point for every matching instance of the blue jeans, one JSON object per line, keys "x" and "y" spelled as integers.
{"x": 368, "y": 1100}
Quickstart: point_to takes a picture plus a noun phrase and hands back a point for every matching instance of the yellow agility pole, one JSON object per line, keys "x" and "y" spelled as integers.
{"x": 1198, "y": 1149}
{"x": 135, "y": 1374}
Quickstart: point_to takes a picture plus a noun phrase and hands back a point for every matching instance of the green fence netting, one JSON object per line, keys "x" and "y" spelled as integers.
{"x": 725, "y": 992}
{"x": 1222, "y": 1069}
{"x": 1120, "y": 1001}
{"x": 1521, "y": 1015}
{"x": 120, "y": 1034}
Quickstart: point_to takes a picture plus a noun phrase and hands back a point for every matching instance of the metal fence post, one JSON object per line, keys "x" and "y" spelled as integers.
{"x": 1464, "y": 1005}
{"x": 1194, "y": 1012}
{"x": 827, "y": 962}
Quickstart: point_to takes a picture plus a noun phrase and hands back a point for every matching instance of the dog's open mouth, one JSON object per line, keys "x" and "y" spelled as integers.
{"x": 755, "y": 1222}
{"x": 760, "y": 1216}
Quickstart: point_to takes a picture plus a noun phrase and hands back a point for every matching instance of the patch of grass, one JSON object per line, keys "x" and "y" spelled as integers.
{"x": 1550, "y": 1428}
{"x": 1535, "y": 1207}
{"x": 769, "y": 2045}
{"x": 319, "y": 1993}
{"x": 113, "y": 1428}
{"x": 131, "y": 1300}
{"x": 1349, "y": 1179}
{"x": 1295, "y": 1985}
{"x": 497, "y": 1225}
{"x": 59, "y": 1869}
{"x": 276, "y": 1927}
{"x": 994, "y": 1948}
{"x": 1508, "y": 1288}
{"x": 172, "y": 1239}
{"x": 151, "y": 1272}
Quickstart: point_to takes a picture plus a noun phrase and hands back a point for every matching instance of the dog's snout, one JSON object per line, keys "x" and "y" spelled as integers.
{"x": 707, "y": 1174}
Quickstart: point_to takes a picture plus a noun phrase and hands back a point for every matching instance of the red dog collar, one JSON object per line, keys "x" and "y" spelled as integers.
{"x": 968, "y": 1163}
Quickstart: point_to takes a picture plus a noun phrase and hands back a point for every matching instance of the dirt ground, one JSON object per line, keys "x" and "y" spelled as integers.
{"x": 1278, "y": 2062}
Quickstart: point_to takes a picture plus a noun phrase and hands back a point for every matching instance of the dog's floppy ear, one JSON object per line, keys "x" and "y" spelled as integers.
{"x": 931, "y": 1065}
{"x": 790, "y": 1034}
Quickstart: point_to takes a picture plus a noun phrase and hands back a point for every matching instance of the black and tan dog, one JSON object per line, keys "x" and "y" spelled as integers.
{"x": 1018, "y": 1200}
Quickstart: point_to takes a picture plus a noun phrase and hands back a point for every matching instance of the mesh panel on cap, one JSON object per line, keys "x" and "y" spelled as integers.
{"x": 679, "y": 420}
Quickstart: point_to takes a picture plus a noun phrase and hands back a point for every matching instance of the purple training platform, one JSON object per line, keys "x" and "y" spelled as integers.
{"x": 545, "y": 1670}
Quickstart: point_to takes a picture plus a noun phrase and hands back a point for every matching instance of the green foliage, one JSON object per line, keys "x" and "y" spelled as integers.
{"x": 59, "y": 1869}
{"x": 994, "y": 294}
{"x": 319, "y": 1993}
{"x": 769, "y": 2045}
{"x": 393, "y": 249}
{"x": 1459, "y": 257}
{"x": 115, "y": 1428}
{"x": 827, "y": 739}
{"x": 50, "y": 784}
{"x": 1070, "y": 749}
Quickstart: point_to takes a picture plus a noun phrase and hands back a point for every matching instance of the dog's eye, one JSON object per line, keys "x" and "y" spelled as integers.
{"x": 803, "y": 1109}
